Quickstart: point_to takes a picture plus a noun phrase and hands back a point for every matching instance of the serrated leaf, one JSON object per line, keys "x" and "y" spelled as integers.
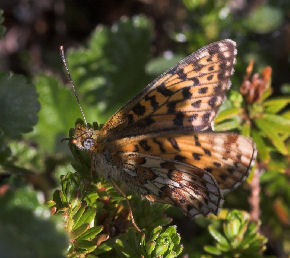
{"x": 55, "y": 100}
{"x": 102, "y": 70}
{"x": 18, "y": 105}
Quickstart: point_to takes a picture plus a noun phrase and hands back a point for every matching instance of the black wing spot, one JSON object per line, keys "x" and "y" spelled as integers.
{"x": 144, "y": 145}
{"x": 196, "y": 104}
{"x": 196, "y": 156}
{"x": 207, "y": 152}
{"x": 139, "y": 109}
{"x": 212, "y": 101}
{"x": 221, "y": 76}
{"x": 171, "y": 107}
{"x": 174, "y": 143}
{"x": 203, "y": 90}
{"x": 205, "y": 117}
{"x": 145, "y": 122}
{"x": 209, "y": 170}
{"x": 130, "y": 118}
{"x": 178, "y": 120}
{"x": 186, "y": 93}
{"x": 153, "y": 101}
{"x": 211, "y": 68}
{"x": 192, "y": 118}
{"x": 195, "y": 81}
{"x": 180, "y": 158}
{"x": 181, "y": 74}
{"x": 209, "y": 78}
{"x": 160, "y": 145}
{"x": 164, "y": 91}
{"x": 217, "y": 164}
{"x": 197, "y": 143}
{"x": 223, "y": 177}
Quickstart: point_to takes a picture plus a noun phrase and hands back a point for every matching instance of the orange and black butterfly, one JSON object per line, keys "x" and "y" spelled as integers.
{"x": 161, "y": 144}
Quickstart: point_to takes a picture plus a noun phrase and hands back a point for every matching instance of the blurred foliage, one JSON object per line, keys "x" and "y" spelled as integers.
{"x": 117, "y": 62}
{"x": 235, "y": 235}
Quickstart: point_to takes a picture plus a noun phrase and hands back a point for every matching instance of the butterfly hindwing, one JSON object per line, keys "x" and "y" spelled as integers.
{"x": 192, "y": 189}
{"x": 186, "y": 96}
{"x": 226, "y": 156}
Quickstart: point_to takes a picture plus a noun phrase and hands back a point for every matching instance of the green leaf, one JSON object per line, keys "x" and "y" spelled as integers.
{"x": 227, "y": 125}
{"x": 91, "y": 233}
{"x": 275, "y": 105}
{"x": 18, "y": 105}
{"x": 231, "y": 229}
{"x": 80, "y": 230}
{"x": 101, "y": 71}
{"x": 212, "y": 250}
{"x": 263, "y": 150}
{"x": 227, "y": 114}
{"x": 86, "y": 245}
{"x": 161, "y": 249}
{"x": 79, "y": 213}
{"x": 279, "y": 123}
{"x": 268, "y": 129}
{"x": 86, "y": 217}
{"x": 217, "y": 236}
{"x": 150, "y": 246}
{"x": 55, "y": 118}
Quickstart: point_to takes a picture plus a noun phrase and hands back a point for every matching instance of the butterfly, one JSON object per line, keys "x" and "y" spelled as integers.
{"x": 162, "y": 145}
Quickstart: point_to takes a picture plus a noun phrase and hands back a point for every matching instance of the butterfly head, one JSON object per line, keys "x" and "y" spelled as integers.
{"x": 85, "y": 137}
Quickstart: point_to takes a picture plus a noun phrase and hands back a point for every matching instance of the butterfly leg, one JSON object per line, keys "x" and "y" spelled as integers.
{"x": 129, "y": 206}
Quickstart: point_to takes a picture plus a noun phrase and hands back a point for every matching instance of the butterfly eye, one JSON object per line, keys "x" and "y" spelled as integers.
{"x": 88, "y": 143}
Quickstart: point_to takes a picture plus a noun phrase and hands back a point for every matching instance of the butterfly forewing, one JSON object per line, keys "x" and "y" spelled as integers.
{"x": 187, "y": 96}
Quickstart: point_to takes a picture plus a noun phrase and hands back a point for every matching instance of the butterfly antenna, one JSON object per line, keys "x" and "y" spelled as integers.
{"x": 71, "y": 82}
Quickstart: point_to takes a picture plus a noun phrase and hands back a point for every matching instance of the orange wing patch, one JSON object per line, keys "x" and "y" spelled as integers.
{"x": 227, "y": 156}
{"x": 186, "y": 96}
